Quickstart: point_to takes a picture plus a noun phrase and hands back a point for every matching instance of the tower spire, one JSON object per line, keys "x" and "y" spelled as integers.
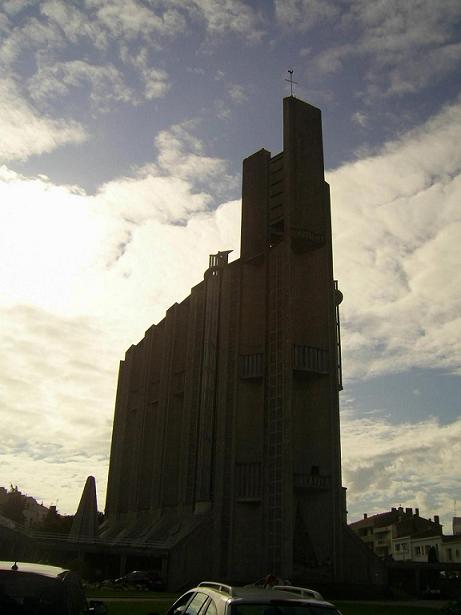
{"x": 290, "y": 80}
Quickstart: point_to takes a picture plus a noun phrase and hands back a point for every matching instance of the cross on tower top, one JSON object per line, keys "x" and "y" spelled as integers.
{"x": 290, "y": 80}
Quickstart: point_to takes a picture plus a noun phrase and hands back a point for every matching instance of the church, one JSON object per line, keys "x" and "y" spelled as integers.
{"x": 225, "y": 458}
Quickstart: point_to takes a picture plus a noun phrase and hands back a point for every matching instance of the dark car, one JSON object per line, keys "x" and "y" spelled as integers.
{"x": 143, "y": 579}
{"x": 37, "y": 589}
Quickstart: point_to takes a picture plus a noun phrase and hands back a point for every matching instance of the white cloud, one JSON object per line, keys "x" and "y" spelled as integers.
{"x": 237, "y": 94}
{"x": 227, "y": 16}
{"x": 105, "y": 83}
{"x": 25, "y": 133}
{"x": 155, "y": 80}
{"x": 360, "y": 118}
{"x": 97, "y": 271}
{"x": 26, "y": 37}
{"x": 388, "y": 464}
{"x": 414, "y": 75}
{"x": 396, "y": 218}
{"x": 180, "y": 152}
{"x": 12, "y": 7}
{"x": 304, "y": 14}
{"x": 74, "y": 23}
{"x": 399, "y": 34}
{"x": 333, "y": 59}
{"x": 391, "y": 36}
{"x": 395, "y": 27}
{"x": 131, "y": 19}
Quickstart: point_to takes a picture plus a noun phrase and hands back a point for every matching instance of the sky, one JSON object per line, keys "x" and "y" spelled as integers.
{"x": 123, "y": 125}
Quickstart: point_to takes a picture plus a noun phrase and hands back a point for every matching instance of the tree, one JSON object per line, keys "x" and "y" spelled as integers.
{"x": 13, "y": 505}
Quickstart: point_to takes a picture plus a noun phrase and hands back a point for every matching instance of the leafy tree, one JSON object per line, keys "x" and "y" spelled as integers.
{"x": 13, "y": 505}
{"x": 55, "y": 523}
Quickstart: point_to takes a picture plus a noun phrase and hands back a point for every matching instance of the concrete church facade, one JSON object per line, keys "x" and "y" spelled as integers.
{"x": 226, "y": 439}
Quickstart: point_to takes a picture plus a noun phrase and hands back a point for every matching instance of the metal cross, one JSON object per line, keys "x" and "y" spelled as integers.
{"x": 290, "y": 81}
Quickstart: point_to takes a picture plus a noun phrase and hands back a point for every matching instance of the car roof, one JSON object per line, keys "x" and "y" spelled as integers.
{"x": 300, "y": 591}
{"x": 229, "y": 593}
{"x": 41, "y": 569}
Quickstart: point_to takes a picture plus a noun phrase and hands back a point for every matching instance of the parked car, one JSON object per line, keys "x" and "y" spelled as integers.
{"x": 142, "y": 579}
{"x": 214, "y": 598}
{"x": 38, "y": 589}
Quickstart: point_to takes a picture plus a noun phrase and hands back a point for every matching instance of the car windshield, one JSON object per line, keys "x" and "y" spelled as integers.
{"x": 30, "y": 594}
{"x": 284, "y": 608}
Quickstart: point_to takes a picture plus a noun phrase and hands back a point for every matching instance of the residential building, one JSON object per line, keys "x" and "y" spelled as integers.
{"x": 387, "y": 534}
{"x": 34, "y": 513}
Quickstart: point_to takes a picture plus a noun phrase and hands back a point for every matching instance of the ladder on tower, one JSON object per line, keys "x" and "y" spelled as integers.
{"x": 275, "y": 410}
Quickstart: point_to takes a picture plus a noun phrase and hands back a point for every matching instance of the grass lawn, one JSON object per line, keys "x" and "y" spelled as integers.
{"x": 378, "y": 609}
{"x": 142, "y": 605}
{"x": 101, "y": 593}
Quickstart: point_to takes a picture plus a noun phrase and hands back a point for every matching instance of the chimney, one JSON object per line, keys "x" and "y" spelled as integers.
{"x": 416, "y": 512}
{"x": 400, "y": 509}
{"x": 457, "y": 525}
{"x": 437, "y": 519}
{"x": 408, "y": 511}
{"x": 365, "y": 516}
{"x": 393, "y": 509}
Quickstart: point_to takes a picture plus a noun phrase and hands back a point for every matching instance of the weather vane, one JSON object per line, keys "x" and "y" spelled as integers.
{"x": 290, "y": 81}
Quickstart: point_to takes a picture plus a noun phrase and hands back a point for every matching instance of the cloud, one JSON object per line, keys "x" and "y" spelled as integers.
{"x": 67, "y": 52}
{"x": 393, "y": 27}
{"x": 74, "y": 23}
{"x": 303, "y": 15}
{"x": 398, "y": 34}
{"x": 391, "y": 36}
{"x": 58, "y": 271}
{"x": 12, "y": 7}
{"x": 227, "y": 17}
{"x": 237, "y": 94}
{"x": 396, "y": 217}
{"x": 360, "y": 118}
{"x": 27, "y": 36}
{"x": 105, "y": 83}
{"x": 96, "y": 272}
{"x": 414, "y": 75}
{"x": 155, "y": 80}
{"x": 26, "y": 133}
{"x": 180, "y": 153}
{"x": 387, "y": 464}
{"x": 131, "y": 19}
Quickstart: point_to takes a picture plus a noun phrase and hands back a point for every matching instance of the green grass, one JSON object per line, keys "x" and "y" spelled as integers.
{"x": 381, "y": 609}
{"x": 138, "y": 606}
{"x": 106, "y": 592}
{"x": 130, "y": 608}
{"x": 133, "y": 602}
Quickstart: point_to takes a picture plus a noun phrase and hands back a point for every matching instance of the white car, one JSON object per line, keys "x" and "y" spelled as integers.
{"x": 214, "y": 598}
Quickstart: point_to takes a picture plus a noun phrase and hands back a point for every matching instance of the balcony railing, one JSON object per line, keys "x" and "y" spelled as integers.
{"x": 311, "y": 482}
{"x": 310, "y": 359}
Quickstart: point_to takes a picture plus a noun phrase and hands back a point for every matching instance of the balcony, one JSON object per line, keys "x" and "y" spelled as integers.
{"x": 251, "y": 366}
{"x": 304, "y": 240}
{"x": 311, "y": 482}
{"x": 310, "y": 359}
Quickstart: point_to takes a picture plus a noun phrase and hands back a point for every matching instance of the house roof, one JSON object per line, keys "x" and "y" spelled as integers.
{"x": 378, "y": 520}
